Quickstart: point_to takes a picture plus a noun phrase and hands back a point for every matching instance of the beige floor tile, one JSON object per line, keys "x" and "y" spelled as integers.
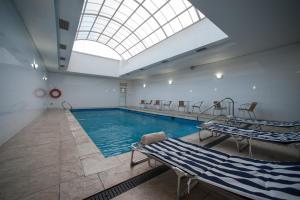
{"x": 68, "y": 151}
{"x": 94, "y": 163}
{"x": 82, "y": 139}
{"x": 14, "y": 153}
{"x": 51, "y": 193}
{"x": 86, "y": 149}
{"x": 15, "y": 166}
{"x": 14, "y": 187}
{"x": 70, "y": 169}
{"x": 81, "y": 187}
{"x": 78, "y": 133}
{"x": 121, "y": 173}
{"x": 44, "y": 178}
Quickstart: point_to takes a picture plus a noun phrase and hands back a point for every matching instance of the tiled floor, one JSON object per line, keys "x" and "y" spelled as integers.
{"x": 53, "y": 158}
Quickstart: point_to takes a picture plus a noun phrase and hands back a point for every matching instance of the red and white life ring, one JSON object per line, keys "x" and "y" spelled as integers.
{"x": 55, "y": 93}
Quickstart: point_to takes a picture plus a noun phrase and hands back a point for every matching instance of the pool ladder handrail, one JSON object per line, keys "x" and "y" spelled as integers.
{"x": 63, "y": 105}
{"x": 216, "y": 103}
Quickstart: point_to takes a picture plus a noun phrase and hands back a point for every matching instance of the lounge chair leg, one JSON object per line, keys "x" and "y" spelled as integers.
{"x": 131, "y": 159}
{"x": 190, "y": 186}
{"x": 250, "y": 147}
{"x": 249, "y": 114}
{"x": 179, "y": 178}
{"x": 254, "y": 115}
{"x": 237, "y": 143}
{"x": 132, "y": 163}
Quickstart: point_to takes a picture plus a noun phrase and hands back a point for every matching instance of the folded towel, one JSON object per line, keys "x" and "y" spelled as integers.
{"x": 153, "y": 138}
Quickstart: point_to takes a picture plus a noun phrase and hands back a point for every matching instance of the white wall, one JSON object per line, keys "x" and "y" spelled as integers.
{"x": 83, "y": 91}
{"x": 90, "y": 64}
{"x": 18, "y": 80}
{"x": 276, "y": 75}
{"x": 181, "y": 42}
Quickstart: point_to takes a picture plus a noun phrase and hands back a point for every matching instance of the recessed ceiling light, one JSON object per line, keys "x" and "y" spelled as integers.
{"x": 144, "y": 85}
{"x": 219, "y": 75}
{"x": 253, "y": 87}
{"x": 34, "y": 65}
{"x": 170, "y": 81}
{"x": 45, "y": 77}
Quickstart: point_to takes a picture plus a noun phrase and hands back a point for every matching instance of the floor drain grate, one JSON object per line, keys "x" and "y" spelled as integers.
{"x": 128, "y": 184}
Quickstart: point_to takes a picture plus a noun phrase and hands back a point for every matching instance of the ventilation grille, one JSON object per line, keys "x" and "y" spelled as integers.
{"x": 192, "y": 67}
{"x": 200, "y": 49}
{"x": 62, "y": 46}
{"x": 63, "y": 24}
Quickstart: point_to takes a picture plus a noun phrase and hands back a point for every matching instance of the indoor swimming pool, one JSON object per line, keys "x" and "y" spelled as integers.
{"x": 114, "y": 130}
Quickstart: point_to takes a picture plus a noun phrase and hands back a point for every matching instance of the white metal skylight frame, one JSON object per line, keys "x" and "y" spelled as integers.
{"x": 131, "y": 26}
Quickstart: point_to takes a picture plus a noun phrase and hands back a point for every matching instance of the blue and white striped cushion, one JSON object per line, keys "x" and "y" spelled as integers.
{"x": 251, "y": 178}
{"x": 267, "y": 122}
{"x": 271, "y": 136}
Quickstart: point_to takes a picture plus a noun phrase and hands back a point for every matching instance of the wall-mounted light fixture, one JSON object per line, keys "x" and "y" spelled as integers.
{"x": 144, "y": 85}
{"x": 219, "y": 75}
{"x": 34, "y": 65}
{"x": 45, "y": 77}
{"x": 170, "y": 82}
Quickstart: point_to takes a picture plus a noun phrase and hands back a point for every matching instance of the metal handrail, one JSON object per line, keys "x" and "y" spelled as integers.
{"x": 63, "y": 105}
{"x": 227, "y": 98}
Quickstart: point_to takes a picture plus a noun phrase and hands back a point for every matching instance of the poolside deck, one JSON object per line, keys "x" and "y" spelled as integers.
{"x": 53, "y": 158}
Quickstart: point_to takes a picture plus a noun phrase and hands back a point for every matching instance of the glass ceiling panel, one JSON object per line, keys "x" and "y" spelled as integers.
{"x": 129, "y": 27}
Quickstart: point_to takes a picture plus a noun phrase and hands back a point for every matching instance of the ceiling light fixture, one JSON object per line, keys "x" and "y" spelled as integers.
{"x": 144, "y": 85}
{"x": 45, "y": 77}
{"x": 170, "y": 82}
{"x": 34, "y": 65}
{"x": 219, "y": 75}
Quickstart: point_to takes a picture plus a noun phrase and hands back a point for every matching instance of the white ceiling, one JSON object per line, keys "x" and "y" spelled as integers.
{"x": 252, "y": 26}
{"x": 41, "y": 19}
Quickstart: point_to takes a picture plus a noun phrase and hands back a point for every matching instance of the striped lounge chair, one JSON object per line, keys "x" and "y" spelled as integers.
{"x": 240, "y": 134}
{"x": 255, "y": 179}
{"x": 257, "y": 122}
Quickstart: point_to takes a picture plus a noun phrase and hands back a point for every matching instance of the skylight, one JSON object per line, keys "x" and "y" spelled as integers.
{"x": 131, "y": 26}
{"x": 96, "y": 49}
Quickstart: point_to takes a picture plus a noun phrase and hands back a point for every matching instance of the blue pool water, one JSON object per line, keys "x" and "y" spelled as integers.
{"x": 114, "y": 130}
